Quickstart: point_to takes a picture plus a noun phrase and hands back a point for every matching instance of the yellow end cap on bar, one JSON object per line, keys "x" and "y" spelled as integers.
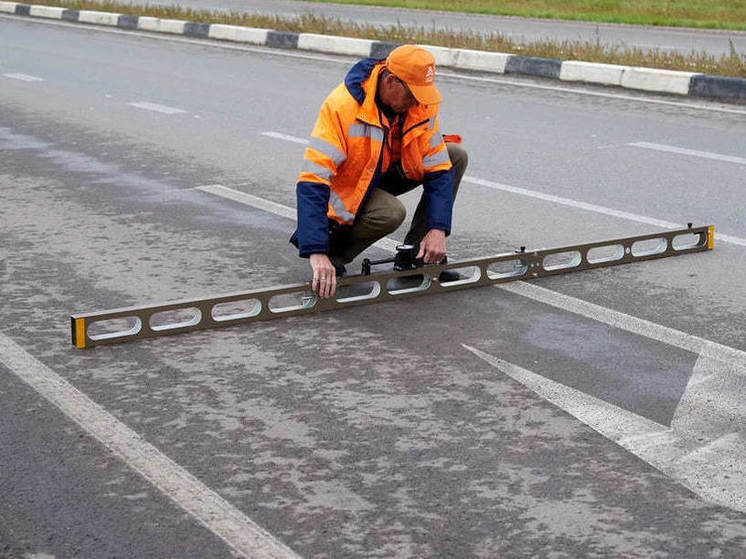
{"x": 80, "y": 333}
{"x": 710, "y": 237}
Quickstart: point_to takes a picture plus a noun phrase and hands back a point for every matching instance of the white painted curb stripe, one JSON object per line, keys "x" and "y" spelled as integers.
{"x": 224, "y": 520}
{"x": 159, "y": 25}
{"x": 591, "y": 72}
{"x": 652, "y": 79}
{"x": 8, "y": 7}
{"x": 468, "y": 59}
{"x": 46, "y": 11}
{"x": 691, "y": 152}
{"x": 99, "y": 18}
{"x": 250, "y": 35}
{"x": 336, "y": 45}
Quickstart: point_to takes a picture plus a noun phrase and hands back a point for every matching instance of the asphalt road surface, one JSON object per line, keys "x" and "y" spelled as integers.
{"x": 585, "y": 415}
{"x": 684, "y": 40}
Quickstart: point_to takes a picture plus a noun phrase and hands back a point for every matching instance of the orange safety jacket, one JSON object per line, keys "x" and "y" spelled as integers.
{"x": 342, "y": 163}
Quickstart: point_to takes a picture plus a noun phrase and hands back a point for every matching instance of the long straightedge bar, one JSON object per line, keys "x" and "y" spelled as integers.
{"x": 177, "y": 317}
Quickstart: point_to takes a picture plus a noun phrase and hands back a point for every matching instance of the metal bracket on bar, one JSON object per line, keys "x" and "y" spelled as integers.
{"x": 134, "y": 323}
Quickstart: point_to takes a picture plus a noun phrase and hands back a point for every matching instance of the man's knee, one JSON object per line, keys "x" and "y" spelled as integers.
{"x": 394, "y": 216}
{"x": 383, "y": 215}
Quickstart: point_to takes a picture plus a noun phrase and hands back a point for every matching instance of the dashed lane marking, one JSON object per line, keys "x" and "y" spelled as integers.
{"x": 690, "y": 152}
{"x": 285, "y": 137}
{"x": 156, "y": 107}
{"x": 709, "y": 462}
{"x": 23, "y": 77}
{"x": 224, "y": 520}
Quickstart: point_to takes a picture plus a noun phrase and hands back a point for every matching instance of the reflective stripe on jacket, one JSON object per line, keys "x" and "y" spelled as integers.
{"x": 342, "y": 162}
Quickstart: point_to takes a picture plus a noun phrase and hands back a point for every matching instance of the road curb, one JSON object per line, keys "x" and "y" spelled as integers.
{"x": 630, "y": 77}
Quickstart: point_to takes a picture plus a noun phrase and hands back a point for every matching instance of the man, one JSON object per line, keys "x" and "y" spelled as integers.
{"x": 376, "y": 137}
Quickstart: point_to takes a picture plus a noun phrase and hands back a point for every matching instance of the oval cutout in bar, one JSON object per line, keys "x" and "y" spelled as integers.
{"x": 114, "y": 328}
{"x": 561, "y": 260}
{"x": 175, "y": 318}
{"x": 649, "y": 246}
{"x": 286, "y": 302}
{"x": 506, "y": 268}
{"x": 233, "y": 310}
{"x": 606, "y": 253}
{"x": 358, "y": 292}
{"x": 688, "y": 240}
{"x": 408, "y": 284}
{"x": 469, "y": 274}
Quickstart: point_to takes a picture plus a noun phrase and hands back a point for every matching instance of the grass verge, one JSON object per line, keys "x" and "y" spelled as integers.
{"x": 716, "y": 14}
{"x": 732, "y": 64}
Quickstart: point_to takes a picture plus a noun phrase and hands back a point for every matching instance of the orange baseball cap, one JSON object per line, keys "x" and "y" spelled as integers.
{"x": 416, "y": 68}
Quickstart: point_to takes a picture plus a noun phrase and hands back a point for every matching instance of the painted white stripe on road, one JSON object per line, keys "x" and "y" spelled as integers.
{"x": 275, "y": 208}
{"x": 156, "y": 107}
{"x": 285, "y": 137}
{"x": 23, "y": 77}
{"x": 691, "y": 152}
{"x": 556, "y": 199}
{"x": 604, "y": 315}
{"x": 249, "y": 200}
{"x": 224, "y": 520}
{"x": 593, "y": 208}
{"x": 710, "y": 467}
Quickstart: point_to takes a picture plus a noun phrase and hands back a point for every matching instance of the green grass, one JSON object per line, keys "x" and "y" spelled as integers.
{"x": 717, "y": 14}
{"x": 732, "y": 64}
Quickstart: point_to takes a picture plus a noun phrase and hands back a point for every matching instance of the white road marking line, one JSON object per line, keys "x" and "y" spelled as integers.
{"x": 156, "y": 107}
{"x": 705, "y": 106}
{"x": 593, "y": 208}
{"x": 243, "y": 535}
{"x": 23, "y": 77}
{"x": 249, "y": 200}
{"x": 691, "y": 152}
{"x": 273, "y": 207}
{"x": 285, "y": 137}
{"x": 557, "y": 199}
{"x": 712, "y": 468}
{"x": 604, "y": 315}
{"x": 639, "y": 326}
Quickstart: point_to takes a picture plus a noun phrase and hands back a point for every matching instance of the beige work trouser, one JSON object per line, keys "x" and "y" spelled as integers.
{"x": 382, "y": 213}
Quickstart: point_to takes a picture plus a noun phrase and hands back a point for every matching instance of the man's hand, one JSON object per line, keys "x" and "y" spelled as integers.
{"x": 324, "y": 275}
{"x": 433, "y": 246}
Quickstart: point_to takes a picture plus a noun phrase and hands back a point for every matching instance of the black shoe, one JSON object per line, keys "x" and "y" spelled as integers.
{"x": 448, "y": 275}
{"x": 339, "y": 268}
